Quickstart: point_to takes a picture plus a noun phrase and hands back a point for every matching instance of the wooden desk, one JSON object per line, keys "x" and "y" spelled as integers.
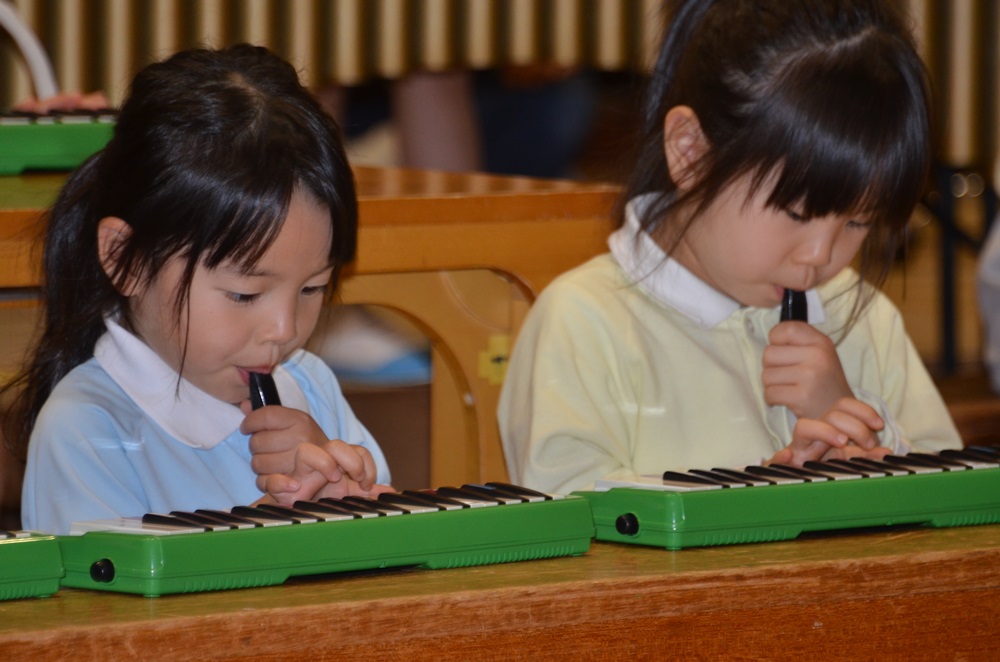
{"x": 415, "y": 225}
{"x": 927, "y": 594}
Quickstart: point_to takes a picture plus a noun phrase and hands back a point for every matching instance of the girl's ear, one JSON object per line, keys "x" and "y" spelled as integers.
{"x": 684, "y": 144}
{"x": 111, "y": 233}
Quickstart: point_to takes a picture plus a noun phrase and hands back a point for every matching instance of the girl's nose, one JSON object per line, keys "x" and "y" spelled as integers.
{"x": 281, "y": 324}
{"x": 817, "y": 249}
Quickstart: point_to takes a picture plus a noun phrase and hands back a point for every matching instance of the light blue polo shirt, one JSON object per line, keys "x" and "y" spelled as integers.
{"x": 119, "y": 437}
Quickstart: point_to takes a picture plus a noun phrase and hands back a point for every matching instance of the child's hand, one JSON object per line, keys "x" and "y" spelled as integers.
{"x": 294, "y": 459}
{"x": 847, "y": 430}
{"x": 318, "y": 473}
{"x": 802, "y": 370}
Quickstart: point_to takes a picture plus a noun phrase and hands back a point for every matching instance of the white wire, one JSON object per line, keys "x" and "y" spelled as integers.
{"x": 42, "y": 76}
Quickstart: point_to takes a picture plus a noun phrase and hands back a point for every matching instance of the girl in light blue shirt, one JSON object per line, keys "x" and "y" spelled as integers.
{"x": 195, "y": 249}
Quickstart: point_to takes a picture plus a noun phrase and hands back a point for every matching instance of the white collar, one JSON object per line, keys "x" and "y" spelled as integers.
{"x": 669, "y": 282}
{"x": 186, "y": 412}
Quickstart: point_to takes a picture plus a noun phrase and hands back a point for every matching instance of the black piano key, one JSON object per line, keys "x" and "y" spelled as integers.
{"x": 263, "y": 516}
{"x": 472, "y": 497}
{"x": 410, "y": 502}
{"x": 775, "y": 475}
{"x": 678, "y": 477}
{"x": 380, "y": 506}
{"x": 329, "y": 511}
{"x": 942, "y": 460}
{"x": 866, "y": 471}
{"x": 441, "y": 501}
{"x": 720, "y": 478}
{"x": 298, "y": 516}
{"x": 362, "y": 510}
{"x": 749, "y": 479}
{"x": 878, "y": 465}
{"x": 794, "y": 307}
{"x": 175, "y": 521}
{"x": 226, "y": 516}
{"x": 807, "y": 474}
{"x": 916, "y": 464}
{"x": 833, "y": 471}
{"x": 505, "y": 496}
{"x": 529, "y": 494}
{"x": 207, "y": 520}
{"x": 989, "y": 451}
{"x": 262, "y": 390}
{"x": 974, "y": 459}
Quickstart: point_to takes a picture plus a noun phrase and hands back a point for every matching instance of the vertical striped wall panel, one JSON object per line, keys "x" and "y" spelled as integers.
{"x": 99, "y": 44}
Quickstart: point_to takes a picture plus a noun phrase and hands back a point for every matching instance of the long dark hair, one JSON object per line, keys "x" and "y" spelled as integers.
{"x": 830, "y": 95}
{"x": 207, "y": 151}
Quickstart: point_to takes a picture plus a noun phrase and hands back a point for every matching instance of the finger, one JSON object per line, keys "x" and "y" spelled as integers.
{"x": 784, "y": 456}
{"x": 794, "y": 333}
{"x": 809, "y": 430}
{"x": 855, "y": 429}
{"x": 861, "y": 411}
{"x": 273, "y": 463}
{"x": 356, "y": 462}
{"x": 778, "y": 356}
{"x": 277, "y": 484}
{"x": 371, "y": 471}
{"x": 276, "y": 441}
{"x": 265, "y": 418}
{"x": 311, "y": 458}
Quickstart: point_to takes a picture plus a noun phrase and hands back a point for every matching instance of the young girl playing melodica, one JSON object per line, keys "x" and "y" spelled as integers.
{"x": 194, "y": 249}
{"x": 781, "y": 141}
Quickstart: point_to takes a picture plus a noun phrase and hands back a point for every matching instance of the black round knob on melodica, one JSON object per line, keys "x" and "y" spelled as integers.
{"x": 627, "y": 524}
{"x": 103, "y": 571}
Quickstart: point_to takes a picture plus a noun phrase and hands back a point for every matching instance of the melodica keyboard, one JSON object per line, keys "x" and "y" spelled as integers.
{"x": 60, "y": 140}
{"x": 758, "y": 504}
{"x": 449, "y": 527}
{"x": 30, "y": 565}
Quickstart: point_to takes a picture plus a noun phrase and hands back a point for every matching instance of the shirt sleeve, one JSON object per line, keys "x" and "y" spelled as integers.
{"x": 908, "y": 400}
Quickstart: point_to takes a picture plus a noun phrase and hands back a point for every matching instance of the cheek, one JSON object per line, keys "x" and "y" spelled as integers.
{"x": 846, "y": 250}
{"x": 308, "y": 316}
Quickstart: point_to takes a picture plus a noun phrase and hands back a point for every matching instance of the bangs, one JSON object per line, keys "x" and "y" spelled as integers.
{"x": 235, "y": 219}
{"x": 839, "y": 139}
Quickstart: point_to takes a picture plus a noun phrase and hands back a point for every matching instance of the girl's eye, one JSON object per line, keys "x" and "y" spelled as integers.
{"x": 242, "y": 298}
{"x": 314, "y": 289}
{"x": 859, "y": 225}
{"x": 795, "y": 216}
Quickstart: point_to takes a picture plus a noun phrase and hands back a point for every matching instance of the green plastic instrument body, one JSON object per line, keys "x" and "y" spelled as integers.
{"x": 154, "y": 565}
{"x": 675, "y": 520}
{"x": 29, "y": 567}
{"x": 53, "y": 146}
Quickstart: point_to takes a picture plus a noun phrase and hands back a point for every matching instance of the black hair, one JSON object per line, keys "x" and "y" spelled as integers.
{"x": 826, "y": 98}
{"x": 207, "y": 151}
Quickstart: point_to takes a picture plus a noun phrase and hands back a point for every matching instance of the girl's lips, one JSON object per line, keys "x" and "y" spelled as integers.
{"x": 245, "y": 372}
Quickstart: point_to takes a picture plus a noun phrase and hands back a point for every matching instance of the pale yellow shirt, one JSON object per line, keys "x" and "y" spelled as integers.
{"x": 619, "y": 372}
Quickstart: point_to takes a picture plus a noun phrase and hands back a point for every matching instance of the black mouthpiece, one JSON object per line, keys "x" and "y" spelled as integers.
{"x": 793, "y": 306}
{"x": 262, "y": 390}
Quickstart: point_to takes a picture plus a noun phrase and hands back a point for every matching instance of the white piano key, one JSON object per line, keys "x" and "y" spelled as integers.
{"x": 128, "y": 525}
